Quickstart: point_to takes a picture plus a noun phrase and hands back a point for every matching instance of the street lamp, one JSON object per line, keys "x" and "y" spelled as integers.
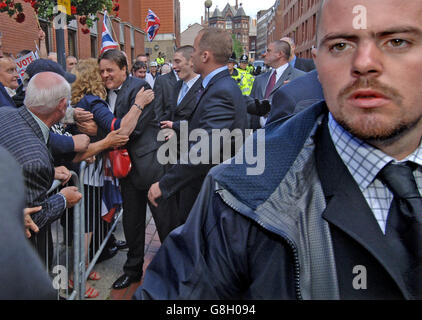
{"x": 208, "y": 4}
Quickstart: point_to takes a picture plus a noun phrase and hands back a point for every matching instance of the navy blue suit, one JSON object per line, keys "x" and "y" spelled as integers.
{"x": 220, "y": 106}
{"x": 5, "y": 99}
{"x": 296, "y": 96}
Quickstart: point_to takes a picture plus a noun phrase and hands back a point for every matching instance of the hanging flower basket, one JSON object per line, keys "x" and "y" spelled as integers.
{"x": 86, "y": 10}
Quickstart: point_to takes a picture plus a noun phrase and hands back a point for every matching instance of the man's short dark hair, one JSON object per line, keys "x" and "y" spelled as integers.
{"x": 117, "y": 57}
{"x": 23, "y": 53}
{"x": 138, "y": 65}
{"x": 186, "y": 51}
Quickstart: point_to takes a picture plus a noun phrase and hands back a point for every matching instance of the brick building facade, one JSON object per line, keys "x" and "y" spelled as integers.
{"x": 128, "y": 31}
{"x": 168, "y": 37}
{"x": 299, "y": 22}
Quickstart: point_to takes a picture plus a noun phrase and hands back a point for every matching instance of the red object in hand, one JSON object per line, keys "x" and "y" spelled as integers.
{"x": 72, "y": 9}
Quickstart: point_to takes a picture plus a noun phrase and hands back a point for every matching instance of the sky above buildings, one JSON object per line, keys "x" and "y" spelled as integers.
{"x": 192, "y": 10}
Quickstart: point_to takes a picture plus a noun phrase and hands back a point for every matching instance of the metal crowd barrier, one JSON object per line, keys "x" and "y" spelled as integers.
{"x": 76, "y": 265}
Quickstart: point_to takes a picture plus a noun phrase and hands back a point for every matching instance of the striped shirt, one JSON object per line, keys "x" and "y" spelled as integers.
{"x": 364, "y": 162}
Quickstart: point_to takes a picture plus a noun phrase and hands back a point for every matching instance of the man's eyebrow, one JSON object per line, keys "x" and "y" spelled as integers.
{"x": 403, "y": 29}
{"x": 338, "y": 35}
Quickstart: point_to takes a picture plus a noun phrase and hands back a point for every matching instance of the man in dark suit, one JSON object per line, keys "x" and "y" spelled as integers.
{"x": 142, "y": 145}
{"x": 265, "y": 85}
{"x": 296, "y": 96}
{"x": 182, "y": 107}
{"x": 296, "y": 62}
{"x": 24, "y": 132}
{"x": 220, "y": 106}
{"x": 163, "y": 90}
{"x": 17, "y": 254}
{"x": 337, "y": 212}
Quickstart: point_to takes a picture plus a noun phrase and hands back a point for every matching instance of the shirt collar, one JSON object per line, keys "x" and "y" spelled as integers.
{"x": 208, "y": 78}
{"x": 192, "y": 81}
{"x": 293, "y": 61}
{"x": 281, "y": 69}
{"x": 363, "y": 161}
{"x": 45, "y": 130}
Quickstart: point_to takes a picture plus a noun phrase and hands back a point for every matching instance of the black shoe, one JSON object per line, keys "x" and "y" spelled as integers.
{"x": 107, "y": 253}
{"x": 120, "y": 244}
{"x": 124, "y": 281}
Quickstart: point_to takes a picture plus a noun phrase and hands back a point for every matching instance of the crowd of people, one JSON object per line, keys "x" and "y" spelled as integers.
{"x": 337, "y": 212}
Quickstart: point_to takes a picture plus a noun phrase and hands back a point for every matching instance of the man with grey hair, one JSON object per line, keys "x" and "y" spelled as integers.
{"x": 265, "y": 85}
{"x": 24, "y": 132}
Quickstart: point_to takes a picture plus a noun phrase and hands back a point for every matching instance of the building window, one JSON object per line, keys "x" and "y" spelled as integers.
{"x": 71, "y": 42}
{"x": 228, "y": 24}
{"x": 93, "y": 46}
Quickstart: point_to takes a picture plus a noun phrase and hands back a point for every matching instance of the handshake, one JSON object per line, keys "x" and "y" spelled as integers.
{"x": 258, "y": 107}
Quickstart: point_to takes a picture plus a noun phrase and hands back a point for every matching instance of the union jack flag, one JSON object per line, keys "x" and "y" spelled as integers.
{"x": 107, "y": 41}
{"x": 153, "y": 24}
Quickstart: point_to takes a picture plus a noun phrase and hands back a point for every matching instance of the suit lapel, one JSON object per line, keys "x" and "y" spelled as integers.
{"x": 189, "y": 95}
{"x": 266, "y": 79}
{"x": 119, "y": 102}
{"x": 285, "y": 76}
{"x": 347, "y": 208}
{"x": 31, "y": 122}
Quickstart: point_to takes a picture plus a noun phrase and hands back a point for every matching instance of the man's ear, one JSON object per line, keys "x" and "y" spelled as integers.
{"x": 314, "y": 53}
{"x": 206, "y": 56}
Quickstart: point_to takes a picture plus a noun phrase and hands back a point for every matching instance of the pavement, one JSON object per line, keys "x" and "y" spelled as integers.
{"x": 111, "y": 269}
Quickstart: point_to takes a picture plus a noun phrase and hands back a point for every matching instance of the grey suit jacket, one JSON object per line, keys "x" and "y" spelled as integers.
{"x": 260, "y": 86}
{"x": 261, "y": 82}
{"x": 21, "y": 135}
{"x": 22, "y": 275}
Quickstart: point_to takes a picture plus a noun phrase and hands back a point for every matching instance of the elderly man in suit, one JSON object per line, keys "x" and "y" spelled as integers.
{"x": 265, "y": 85}
{"x": 220, "y": 105}
{"x": 24, "y": 132}
{"x": 122, "y": 92}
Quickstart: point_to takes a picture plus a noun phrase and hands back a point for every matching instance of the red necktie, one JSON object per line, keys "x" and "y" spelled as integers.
{"x": 270, "y": 85}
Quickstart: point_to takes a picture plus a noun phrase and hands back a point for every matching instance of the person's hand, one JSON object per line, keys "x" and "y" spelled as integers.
{"x": 90, "y": 160}
{"x": 81, "y": 115}
{"x": 144, "y": 97}
{"x": 88, "y": 127}
{"x": 41, "y": 35}
{"x": 154, "y": 192}
{"x": 115, "y": 139}
{"x": 81, "y": 142}
{"x": 263, "y": 107}
{"x": 63, "y": 174}
{"x": 168, "y": 133}
{"x": 286, "y": 82}
{"x": 72, "y": 195}
{"x": 166, "y": 124}
{"x": 28, "y": 223}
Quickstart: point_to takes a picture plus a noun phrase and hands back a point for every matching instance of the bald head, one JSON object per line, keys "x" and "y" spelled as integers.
{"x": 45, "y": 92}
